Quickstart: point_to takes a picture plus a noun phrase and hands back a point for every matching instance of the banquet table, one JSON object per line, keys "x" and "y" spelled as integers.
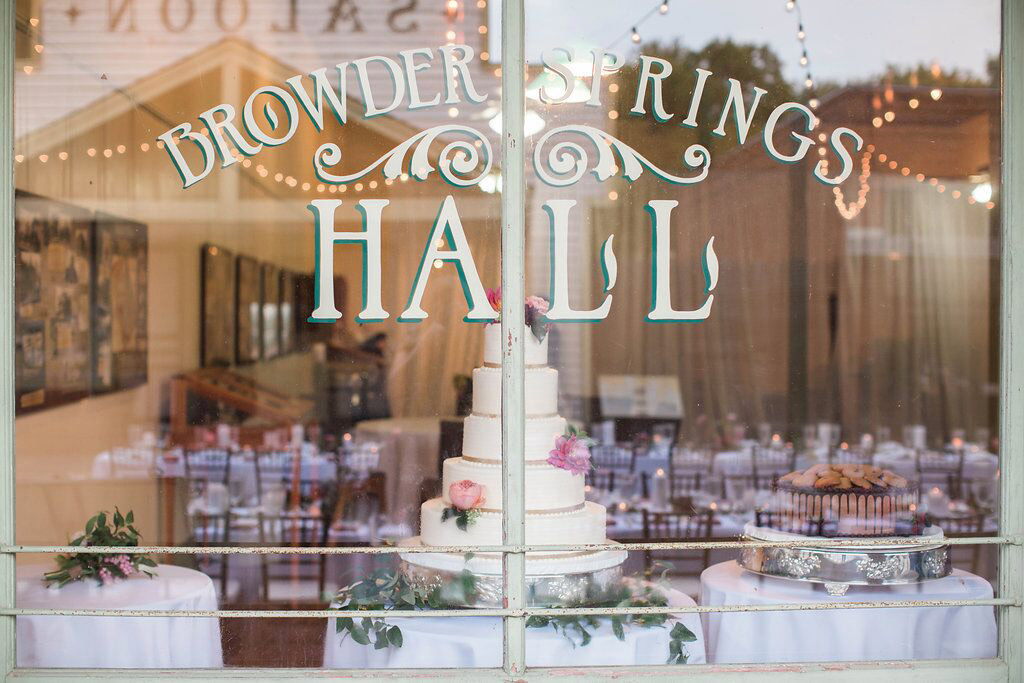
{"x": 843, "y": 635}
{"x": 243, "y": 470}
{"x": 475, "y": 642}
{"x": 409, "y": 448}
{"x": 118, "y": 642}
{"x": 902, "y": 461}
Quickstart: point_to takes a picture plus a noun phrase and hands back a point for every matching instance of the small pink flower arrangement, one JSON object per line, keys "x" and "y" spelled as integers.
{"x": 494, "y": 298}
{"x": 102, "y": 568}
{"x": 571, "y": 452}
{"x": 536, "y": 308}
{"x": 466, "y": 497}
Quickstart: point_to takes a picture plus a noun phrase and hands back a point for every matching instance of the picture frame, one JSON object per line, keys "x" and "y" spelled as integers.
{"x": 248, "y": 310}
{"x": 217, "y": 301}
{"x": 119, "y": 304}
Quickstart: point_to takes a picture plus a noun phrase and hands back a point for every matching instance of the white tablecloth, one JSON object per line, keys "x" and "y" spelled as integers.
{"x": 243, "y": 471}
{"x": 119, "y": 642}
{"x": 843, "y": 635}
{"x": 409, "y": 448}
{"x": 466, "y": 642}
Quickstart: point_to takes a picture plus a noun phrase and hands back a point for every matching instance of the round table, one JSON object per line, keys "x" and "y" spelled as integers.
{"x": 843, "y": 635}
{"x": 472, "y": 642}
{"x": 118, "y": 642}
{"x": 409, "y": 448}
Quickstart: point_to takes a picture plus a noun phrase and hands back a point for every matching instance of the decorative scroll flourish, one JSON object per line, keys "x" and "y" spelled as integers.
{"x": 710, "y": 262}
{"x": 456, "y": 162}
{"x": 567, "y": 161}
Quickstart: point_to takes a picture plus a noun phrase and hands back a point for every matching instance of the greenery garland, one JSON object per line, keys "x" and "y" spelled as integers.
{"x": 389, "y": 589}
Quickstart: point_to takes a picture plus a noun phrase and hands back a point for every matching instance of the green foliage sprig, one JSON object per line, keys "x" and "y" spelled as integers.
{"x": 580, "y": 627}
{"x": 120, "y": 532}
{"x": 463, "y": 518}
{"x": 388, "y": 589}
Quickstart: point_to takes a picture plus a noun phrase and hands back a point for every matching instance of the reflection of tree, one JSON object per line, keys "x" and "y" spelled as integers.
{"x": 749, "y": 64}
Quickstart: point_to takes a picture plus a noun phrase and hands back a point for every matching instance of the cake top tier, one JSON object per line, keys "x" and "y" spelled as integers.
{"x": 535, "y": 352}
{"x": 823, "y": 478}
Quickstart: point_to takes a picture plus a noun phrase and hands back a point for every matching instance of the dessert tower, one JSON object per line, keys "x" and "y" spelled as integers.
{"x": 469, "y": 510}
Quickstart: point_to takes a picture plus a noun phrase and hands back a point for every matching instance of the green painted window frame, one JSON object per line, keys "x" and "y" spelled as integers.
{"x": 1008, "y": 666}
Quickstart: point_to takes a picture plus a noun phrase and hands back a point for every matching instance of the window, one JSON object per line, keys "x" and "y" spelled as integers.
{"x": 472, "y": 335}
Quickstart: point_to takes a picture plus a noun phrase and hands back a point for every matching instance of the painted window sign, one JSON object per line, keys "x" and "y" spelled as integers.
{"x": 465, "y": 158}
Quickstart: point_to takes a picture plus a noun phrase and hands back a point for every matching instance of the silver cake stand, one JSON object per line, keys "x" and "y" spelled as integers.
{"x": 547, "y": 582}
{"x": 840, "y": 567}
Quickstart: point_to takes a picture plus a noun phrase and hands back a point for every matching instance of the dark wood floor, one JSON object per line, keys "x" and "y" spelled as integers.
{"x": 278, "y": 643}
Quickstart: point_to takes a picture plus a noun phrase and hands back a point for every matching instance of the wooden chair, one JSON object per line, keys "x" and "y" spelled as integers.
{"x": 211, "y": 531}
{"x": 612, "y": 458}
{"x": 682, "y": 484}
{"x": 964, "y": 526}
{"x": 666, "y": 527}
{"x": 292, "y": 531}
{"x": 205, "y": 466}
{"x": 273, "y": 469}
{"x": 602, "y": 480}
{"x": 945, "y": 470}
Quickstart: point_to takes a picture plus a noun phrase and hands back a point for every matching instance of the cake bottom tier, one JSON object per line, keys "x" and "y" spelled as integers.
{"x": 537, "y": 564}
{"x": 585, "y": 525}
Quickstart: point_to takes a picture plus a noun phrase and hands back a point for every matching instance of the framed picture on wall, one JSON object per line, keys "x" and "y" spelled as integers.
{"x": 52, "y": 326}
{"x": 217, "y": 306}
{"x": 120, "y": 339}
{"x": 248, "y": 313}
{"x": 287, "y": 311}
{"x": 271, "y": 311}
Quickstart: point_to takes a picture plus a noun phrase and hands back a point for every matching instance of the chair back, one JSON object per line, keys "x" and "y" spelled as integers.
{"x": 684, "y": 484}
{"x": 274, "y": 469}
{"x": 674, "y": 526}
{"x": 612, "y": 458}
{"x": 208, "y": 465}
{"x": 944, "y": 470}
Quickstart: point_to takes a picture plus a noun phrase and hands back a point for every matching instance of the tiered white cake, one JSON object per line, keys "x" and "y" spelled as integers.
{"x": 556, "y": 511}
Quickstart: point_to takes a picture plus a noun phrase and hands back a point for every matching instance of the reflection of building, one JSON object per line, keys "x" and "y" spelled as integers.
{"x": 104, "y": 157}
{"x": 883, "y": 319}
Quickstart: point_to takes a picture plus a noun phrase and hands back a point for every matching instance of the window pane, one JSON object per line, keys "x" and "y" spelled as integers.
{"x": 839, "y": 375}
{"x": 191, "y": 349}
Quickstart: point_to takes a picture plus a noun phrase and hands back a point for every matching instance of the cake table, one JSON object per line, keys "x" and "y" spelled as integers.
{"x": 845, "y": 634}
{"x": 119, "y": 642}
{"x": 476, "y": 642}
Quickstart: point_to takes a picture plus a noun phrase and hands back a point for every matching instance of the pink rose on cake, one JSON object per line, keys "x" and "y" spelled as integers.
{"x": 571, "y": 453}
{"x": 466, "y": 497}
{"x": 494, "y": 298}
{"x": 466, "y": 494}
{"x": 536, "y": 307}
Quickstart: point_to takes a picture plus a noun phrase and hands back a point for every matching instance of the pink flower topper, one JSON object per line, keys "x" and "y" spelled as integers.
{"x": 466, "y": 494}
{"x": 570, "y": 453}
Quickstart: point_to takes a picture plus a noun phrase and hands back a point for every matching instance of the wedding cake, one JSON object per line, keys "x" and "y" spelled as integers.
{"x": 469, "y": 510}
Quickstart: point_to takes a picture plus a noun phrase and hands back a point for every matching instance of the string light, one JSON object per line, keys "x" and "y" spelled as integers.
{"x": 635, "y": 37}
{"x": 851, "y": 210}
{"x": 805, "y": 60}
{"x": 664, "y": 7}
{"x": 935, "y": 184}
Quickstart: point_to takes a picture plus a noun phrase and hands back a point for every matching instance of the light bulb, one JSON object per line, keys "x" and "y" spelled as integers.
{"x": 635, "y": 37}
{"x": 664, "y": 8}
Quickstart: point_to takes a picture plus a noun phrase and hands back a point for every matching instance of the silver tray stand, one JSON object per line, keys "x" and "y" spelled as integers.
{"x": 840, "y": 568}
{"x": 541, "y": 591}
